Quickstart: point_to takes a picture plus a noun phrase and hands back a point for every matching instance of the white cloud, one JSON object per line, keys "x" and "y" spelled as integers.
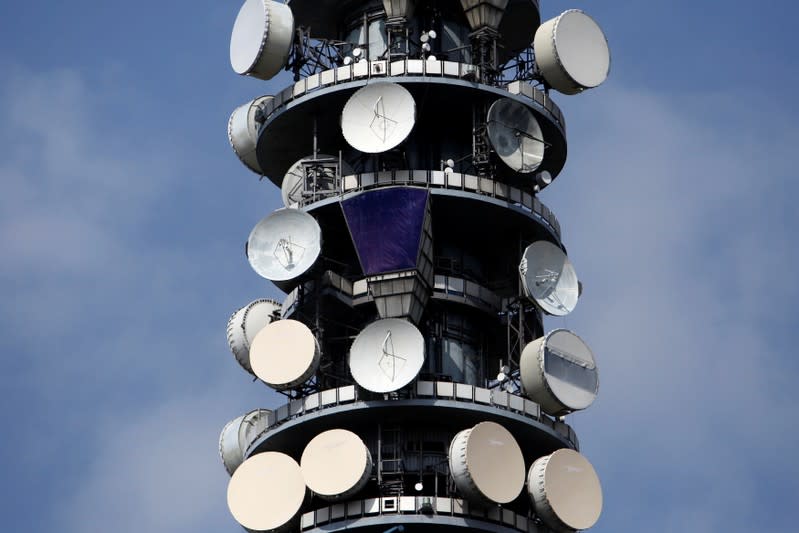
{"x": 117, "y": 332}
{"x": 679, "y": 247}
{"x": 74, "y": 185}
{"x": 157, "y": 471}
{"x": 681, "y": 242}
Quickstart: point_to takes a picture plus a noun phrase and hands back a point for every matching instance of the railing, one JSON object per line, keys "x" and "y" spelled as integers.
{"x": 444, "y": 390}
{"x": 466, "y": 292}
{"x": 444, "y": 287}
{"x": 405, "y": 67}
{"x": 438, "y": 179}
{"x": 456, "y": 181}
{"x": 419, "y": 505}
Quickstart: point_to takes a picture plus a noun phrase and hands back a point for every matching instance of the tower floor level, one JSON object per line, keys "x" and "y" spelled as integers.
{"x": 423, "y": 390}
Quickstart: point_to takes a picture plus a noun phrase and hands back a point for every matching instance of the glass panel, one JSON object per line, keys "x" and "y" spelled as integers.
{"x": 377, "y": 39}
{"x": 460, "y": 361}
{"x": 356, "y": 36}
{"x": 453, "y": 37}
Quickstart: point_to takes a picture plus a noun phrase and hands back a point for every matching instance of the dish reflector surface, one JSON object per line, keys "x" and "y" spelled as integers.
{"x": 565, "y": 491}
{"x": 378, "y": 117}
{"x": 387, "y": 355}
{"x": 245, "y": 323}
{"x": 261, "y": 38}
{"x": 284, "y": 354}
{"x": 336, "y": 464}
{"x": 242, "y": 132}
{"x": 266, "y": 491}
{"x": 284, "y": 245}
{"x": 487, "y": 464}
{"x": 559, "y": 372}
{"x": 572, "y": 52}
{"x": 549, "y": 279}
{"x": 515, "y": 135}
{"x": 238, "y": 434}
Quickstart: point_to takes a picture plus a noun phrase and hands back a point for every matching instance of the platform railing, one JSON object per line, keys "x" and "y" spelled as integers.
{"x": 443, "y": 390}
{"x": 406, "y": 67}
{"x": 451, "y": 288}
{"x": 468, "y": 183}
{"x": 421, "y": 505}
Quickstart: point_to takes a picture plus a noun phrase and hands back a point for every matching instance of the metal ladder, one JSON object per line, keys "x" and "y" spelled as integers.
{"x": 390, "y": 471}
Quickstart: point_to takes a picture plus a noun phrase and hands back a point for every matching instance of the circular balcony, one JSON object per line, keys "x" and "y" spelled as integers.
{"x": 448, "y": 98}
{"x": 443, "y": 403}
{"x": 431, "y": 513}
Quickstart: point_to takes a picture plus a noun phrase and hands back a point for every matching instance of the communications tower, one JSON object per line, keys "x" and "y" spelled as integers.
{"x": 422, "y": 391}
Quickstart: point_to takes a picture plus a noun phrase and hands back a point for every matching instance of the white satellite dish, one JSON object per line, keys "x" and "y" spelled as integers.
{"x": 336, "y": 464}
{"x": 245, "y": 323}
{"x": 515, "y": 135}
{"x": 261, "y": 38}
{"x": 387, "y": 355}
{"x": 572, "y": 52}
{"x": 559, "y": 372}
{"x": 378, "y": 117}
{"x": 548, "y": 278}
{"x": 242, "y": 132}
{"x": 266, "y": 491}
{"x": 565, "y": 491}
{"x": 295, "y": 179}
{"x": 238, "y": 434}
{"x": 486, "y": 464}
{"x": 284, "y": 354}
{"x": 284, "y": 245}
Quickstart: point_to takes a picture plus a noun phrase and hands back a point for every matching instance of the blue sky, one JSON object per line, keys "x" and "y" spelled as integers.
{"x": 124, "y": 211}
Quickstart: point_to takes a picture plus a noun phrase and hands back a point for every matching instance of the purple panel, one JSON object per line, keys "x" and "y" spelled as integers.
{"x": 386, "y": 226}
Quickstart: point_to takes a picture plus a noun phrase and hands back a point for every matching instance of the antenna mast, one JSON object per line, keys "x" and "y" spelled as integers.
{"x": 419, "y": 264}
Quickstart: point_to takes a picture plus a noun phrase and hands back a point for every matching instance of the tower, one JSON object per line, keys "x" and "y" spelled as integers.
{"x": 422, "y": 389}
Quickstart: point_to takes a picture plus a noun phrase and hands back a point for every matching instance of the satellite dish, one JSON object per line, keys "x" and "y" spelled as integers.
{"x": 572, "y": 52}
{"x": 336, "y": 464}
{"x": 387, "y": 355}
{"x": 284, "y": 245}
{"x": 242, "y": 131}
{"x": 266, "y": 491}
{"x": 378, "y": 117}
{"x": 245, "y": 323}
{"x": 549, "y": 279}
{"x": 324, "y": 173}
{"x": 238, "y": 434}
{"x": 486, "y": 464}
{"x": 559, "y": 372}
{"x": 565, "y": 491}
{"x": 515, "y": 135}
{"x": 284, "y": 354}
{"x": 261, "y": 39}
